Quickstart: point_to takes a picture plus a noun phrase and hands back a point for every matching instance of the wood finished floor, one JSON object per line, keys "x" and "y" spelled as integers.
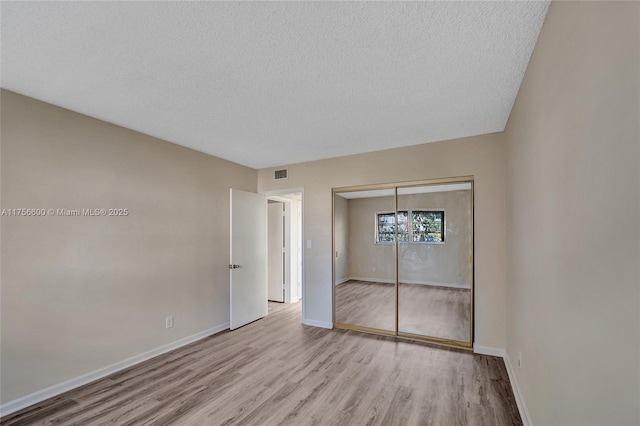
{"x": 277, "y": 371}
{"x": 426, "y": 310}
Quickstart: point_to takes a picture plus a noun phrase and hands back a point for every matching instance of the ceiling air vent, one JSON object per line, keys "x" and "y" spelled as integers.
{"x": 280, "y": 174}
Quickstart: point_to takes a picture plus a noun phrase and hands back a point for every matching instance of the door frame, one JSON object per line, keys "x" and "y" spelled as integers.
{"x": 274, "y": 194}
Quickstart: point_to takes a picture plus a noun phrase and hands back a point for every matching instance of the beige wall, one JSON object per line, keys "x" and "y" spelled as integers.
{"x": 573, "y": 218}
{"x": 81, "y": 293}
{"x": 434, "y": 264}
{"x": 369, "y": 261}
{"x": 481, "y": 156}
{"x": 341, "y": 223}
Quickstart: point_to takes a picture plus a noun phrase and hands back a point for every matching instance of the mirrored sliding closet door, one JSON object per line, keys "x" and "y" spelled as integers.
{"x": 403, "y": 260}
{"x": 434, "y": 261}
{"x": 364, "y": 259}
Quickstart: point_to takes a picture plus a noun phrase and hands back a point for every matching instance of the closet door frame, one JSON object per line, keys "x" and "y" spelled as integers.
{"x": 468, "y": 345}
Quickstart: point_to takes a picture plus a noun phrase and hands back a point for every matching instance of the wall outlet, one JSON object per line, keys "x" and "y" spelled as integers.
{"x": 168, "y": 321}
{"x": 519, "y": 359}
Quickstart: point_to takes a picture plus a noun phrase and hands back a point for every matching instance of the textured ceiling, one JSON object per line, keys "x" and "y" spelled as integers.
{"x": 271, "y": 83}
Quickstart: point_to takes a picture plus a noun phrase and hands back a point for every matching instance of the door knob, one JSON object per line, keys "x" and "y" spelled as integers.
{"x": 234, "y": 266}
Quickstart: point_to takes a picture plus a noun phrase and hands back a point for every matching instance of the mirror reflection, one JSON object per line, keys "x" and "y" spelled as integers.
{"x": 430, "y": 226}
{"x": 434, "y": 261}
{"x": 364, "y": 224}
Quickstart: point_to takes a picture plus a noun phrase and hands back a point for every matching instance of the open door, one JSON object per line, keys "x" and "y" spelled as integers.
{"x": 276, "y": 256}
{"x": 248, "y": 264}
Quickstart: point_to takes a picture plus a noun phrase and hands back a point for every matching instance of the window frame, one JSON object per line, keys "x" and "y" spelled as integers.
{"x": 376, "y": 238}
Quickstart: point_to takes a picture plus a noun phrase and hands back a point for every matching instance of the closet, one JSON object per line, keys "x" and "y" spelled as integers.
{"x": 403, "y": 259}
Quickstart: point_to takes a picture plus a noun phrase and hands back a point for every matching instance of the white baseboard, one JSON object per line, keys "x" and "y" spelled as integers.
{"x": 402, "y": 281}
{"x": 522, "y": 407}
{"x": 314, "y": 323}
{"x": 488, "y": 350}
{"x": 41, "y": 395}
{"x": 502, "y": 353}
{"x": 343, "y": 280}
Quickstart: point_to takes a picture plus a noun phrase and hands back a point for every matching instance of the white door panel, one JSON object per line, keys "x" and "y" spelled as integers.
{"x": 248, "y": 265}
{"x": 275, "y": 252}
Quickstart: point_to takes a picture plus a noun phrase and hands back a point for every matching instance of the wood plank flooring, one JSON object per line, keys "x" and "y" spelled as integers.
{"x": 425, "y": 310}
{"x": 277, "y": 371}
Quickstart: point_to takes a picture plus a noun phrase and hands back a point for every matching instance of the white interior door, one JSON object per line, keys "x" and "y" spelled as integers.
{"x": 276, "y": 251}
{"x": 248, "y": 264}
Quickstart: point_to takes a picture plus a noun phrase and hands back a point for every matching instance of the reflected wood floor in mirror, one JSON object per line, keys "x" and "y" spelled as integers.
{"x": 276, "y": 371}
{"x": 426, "y": 310}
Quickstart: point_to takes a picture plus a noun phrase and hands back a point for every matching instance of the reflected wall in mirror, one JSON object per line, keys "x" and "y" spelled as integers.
{"x": 364, "y": 259}
{"x": 434, "y": 261}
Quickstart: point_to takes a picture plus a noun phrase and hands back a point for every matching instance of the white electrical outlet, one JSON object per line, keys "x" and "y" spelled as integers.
{"x": 168, "y": 321}
{"x": 519, "y": 359}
